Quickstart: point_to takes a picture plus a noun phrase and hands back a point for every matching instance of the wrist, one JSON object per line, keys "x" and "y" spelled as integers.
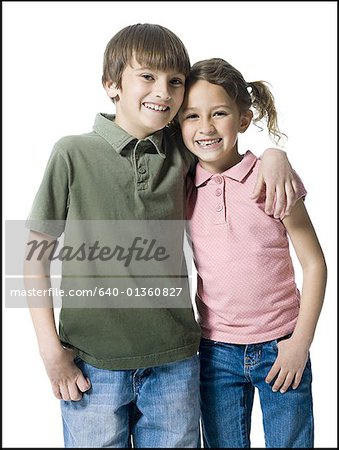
{"x": 51, "y": 351}
{"x": 301, "y": 340}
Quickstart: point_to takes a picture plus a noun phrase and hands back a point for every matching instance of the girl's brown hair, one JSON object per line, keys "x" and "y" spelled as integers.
{"x": 255, "y": 94}
{"x": 151, "y": 45}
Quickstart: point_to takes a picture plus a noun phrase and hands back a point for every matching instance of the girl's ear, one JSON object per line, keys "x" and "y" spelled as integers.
{"x": 111, "y": 89}
{"x": 245, "y": 121}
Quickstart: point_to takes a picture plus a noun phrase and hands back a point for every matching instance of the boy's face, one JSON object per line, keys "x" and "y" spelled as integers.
{"x": 210, "y": 122}
{"x": 147, "y": 100}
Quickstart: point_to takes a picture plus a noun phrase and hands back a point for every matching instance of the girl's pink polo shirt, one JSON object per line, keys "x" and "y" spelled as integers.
{"x": 246, "y": 290}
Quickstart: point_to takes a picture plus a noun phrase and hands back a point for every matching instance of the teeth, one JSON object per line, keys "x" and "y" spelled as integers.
{"x": 210, "y": 142}
{"x": 156, "y": 107}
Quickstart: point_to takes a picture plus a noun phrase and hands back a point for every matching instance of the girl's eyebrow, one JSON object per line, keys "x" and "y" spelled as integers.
{"x": 223, "y": 105}
{"x": 189, "y": 109}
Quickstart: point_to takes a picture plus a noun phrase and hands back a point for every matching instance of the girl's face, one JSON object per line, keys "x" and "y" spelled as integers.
{"x": 210, "y": 122}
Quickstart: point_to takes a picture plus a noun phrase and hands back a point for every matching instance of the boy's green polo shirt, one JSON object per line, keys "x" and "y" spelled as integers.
{"x": 106, "y": 175}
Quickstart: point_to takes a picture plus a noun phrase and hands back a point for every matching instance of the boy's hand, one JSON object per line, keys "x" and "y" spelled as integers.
{"x": 289, "y": 365}
{"x": 277, "y": 179}
{"x": 68, "y": 382}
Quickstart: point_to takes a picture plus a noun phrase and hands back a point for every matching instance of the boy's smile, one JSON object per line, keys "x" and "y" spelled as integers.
{"x": 147, "y": 100}
{"x": 156, "y": 107}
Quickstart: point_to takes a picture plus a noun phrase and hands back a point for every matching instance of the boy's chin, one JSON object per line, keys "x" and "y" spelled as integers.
{"x": 156, "y": 126}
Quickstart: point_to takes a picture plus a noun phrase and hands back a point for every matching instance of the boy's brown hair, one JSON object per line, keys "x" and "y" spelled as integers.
{"x": 151, "y": 45}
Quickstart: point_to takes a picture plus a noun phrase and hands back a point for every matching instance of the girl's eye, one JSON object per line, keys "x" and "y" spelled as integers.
{"x": 191, "y": 116}
{"x": 147, "y": 76}
{"x": 220, "y": 113}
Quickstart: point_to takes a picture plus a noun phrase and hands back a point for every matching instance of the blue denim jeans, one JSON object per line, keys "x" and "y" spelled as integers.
{"x": 149, "y": 408}
{"x": 229, "y": 375}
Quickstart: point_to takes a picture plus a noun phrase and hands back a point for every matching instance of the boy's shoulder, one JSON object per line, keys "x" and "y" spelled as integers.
{"x": 75, "y": 143}
{"x": 172, "y": 138}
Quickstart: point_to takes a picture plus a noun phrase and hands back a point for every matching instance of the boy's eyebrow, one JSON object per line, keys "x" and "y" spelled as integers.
{"x": 175, "y": 74}
{"x": 141, "y": 68}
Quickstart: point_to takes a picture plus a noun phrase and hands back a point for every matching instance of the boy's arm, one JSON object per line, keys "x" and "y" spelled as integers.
{"x": 293, "y": 352}
{"x": 276, "y": 177}
{"x": 66, "y": 378}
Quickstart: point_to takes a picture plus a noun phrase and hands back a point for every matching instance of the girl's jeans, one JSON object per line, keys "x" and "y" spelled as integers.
{"x": 229, "y": 374}
{"x": 154, "y": 407}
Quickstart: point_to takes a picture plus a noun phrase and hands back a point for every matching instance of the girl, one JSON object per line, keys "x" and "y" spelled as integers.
{"x": 257, "y": 329}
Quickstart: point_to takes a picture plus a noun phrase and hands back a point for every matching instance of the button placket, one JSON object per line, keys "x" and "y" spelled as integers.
{"x": 141, "y": 170}
{"x": 220, "y": 207}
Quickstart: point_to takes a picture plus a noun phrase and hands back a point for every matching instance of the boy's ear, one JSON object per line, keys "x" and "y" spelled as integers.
{"x": 111, "y": 89}
{"x": 245, "y": 121}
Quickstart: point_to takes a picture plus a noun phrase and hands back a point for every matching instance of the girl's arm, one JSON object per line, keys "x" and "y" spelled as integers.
{"x": 277, "y": 179}
{"x": 293, "y": 352}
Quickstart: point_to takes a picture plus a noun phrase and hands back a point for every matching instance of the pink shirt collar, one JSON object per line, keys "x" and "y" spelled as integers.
{"x": 237, "y": 172}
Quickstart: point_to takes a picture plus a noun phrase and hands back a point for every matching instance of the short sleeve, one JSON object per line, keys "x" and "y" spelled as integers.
{"x": 50, "y": 206}
{"x": 300, "y": 188}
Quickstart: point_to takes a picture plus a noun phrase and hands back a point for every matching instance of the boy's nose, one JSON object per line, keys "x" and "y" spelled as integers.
{"x": 161, "y": 91}
{"x": 163, "y": 95}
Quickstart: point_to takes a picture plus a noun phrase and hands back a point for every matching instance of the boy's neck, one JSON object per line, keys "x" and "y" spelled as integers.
{"x": 133, "y": 131}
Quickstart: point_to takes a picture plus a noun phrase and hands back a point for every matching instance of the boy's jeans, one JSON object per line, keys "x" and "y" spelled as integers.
{"x": 157, "y": 406}
{"x": 229, "y": 374}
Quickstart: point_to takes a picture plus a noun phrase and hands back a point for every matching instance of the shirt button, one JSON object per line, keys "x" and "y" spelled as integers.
{"x": 218, "y": 192}
{"x": 142, "y": 170}
{"x": 219, "y": 208}
{"x": 218, "y": 180}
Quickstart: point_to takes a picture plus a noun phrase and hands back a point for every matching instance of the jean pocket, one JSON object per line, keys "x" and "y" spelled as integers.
{"x": 275, "y": 342}
{"x": 77, "y": 360}
{"x": 308, "y": 362}
{"x": 274, "y": 345}
{"x": 208, "y": 342}
{"x": 287, "y": 336}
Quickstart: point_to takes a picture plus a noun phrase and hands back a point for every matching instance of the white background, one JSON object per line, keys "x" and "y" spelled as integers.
{"x": 52, "y": 62}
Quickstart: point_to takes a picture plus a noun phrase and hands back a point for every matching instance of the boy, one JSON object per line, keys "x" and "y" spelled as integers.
{"x": 123, "y": 373}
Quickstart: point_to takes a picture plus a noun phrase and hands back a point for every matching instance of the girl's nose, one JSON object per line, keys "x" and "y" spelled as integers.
{"x": 207, "y": 128}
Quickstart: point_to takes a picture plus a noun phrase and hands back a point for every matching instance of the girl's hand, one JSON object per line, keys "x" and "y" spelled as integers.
{"x": 289, "y": 365}
{"x": 277, "y": 179}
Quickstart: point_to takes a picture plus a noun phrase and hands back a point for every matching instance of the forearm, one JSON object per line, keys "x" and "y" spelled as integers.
{"x": 45, "y": 329}
{"x": 67, "y": 380}
{"x": 275, "y": 180}
{"x": 36, "y": 277}
{"x": 274, "y": 151}
{"x": 312, "y": 297}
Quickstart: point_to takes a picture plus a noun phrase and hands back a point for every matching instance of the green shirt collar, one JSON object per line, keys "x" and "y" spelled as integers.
{"x": 118, "y": 138}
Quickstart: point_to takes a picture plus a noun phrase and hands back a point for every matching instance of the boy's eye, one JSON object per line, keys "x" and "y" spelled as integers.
{"x": 177, "y": 82}
{"x": 191, "y": 116}
{"x": 147, "y": 76}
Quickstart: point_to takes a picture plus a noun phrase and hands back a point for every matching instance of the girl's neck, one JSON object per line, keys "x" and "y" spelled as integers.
{"x": 221, "y": 166}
